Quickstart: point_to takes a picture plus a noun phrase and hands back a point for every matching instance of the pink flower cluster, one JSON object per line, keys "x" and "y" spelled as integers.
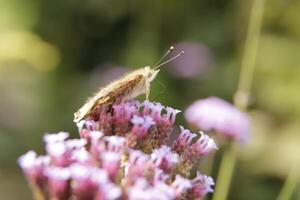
{"x": 215, "y": 114}
{"x": 122, "y": 155}
{"x": 145, "y": 125}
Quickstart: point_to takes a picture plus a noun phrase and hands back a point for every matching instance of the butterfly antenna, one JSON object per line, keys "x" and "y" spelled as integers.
{"x": 164, "y": 56}
{"x": 171, "y": 59}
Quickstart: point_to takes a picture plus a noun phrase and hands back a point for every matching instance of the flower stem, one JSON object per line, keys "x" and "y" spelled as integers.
{"x": 290, "y": 183}
{"x": 249, "y": 57}
{"x": 242, "y": 95}
{"x": 225, "y": 172}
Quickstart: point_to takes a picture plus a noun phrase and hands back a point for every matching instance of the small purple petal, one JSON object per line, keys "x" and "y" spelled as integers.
{"x": 59, "y": 137}
{"x": 183, "y": 141}
{"x": 181, "y": 185}
{"x": 204, "y": 145}
{"x": 202, "y": 185}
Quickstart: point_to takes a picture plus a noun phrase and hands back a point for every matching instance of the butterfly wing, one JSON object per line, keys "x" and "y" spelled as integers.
{"x": 116, "y": 91}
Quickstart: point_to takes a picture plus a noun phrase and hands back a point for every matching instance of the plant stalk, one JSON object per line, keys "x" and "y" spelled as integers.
{"x": 290, "y": 183}
{"x": 241, "y": 96}
{"x": 225, "y": 173}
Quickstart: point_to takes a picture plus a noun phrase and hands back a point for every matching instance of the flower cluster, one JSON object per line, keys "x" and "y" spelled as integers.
{"x": 145, "y": 125}
{"x": 215, "y": 114}
{"x": 122, "y": 155}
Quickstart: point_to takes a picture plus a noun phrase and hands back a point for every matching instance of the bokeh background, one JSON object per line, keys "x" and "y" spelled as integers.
{"x": 53, "y": 54}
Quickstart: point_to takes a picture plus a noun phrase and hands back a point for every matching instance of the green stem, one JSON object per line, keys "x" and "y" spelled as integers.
{"x": 225, "y": 173}
{"x": 242, "y": 95}
{"x": 290, "y": 183}
{"x": 250, "y": 54}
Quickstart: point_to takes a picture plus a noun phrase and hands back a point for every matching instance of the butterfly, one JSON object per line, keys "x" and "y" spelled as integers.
{"x": 125, "y": 88}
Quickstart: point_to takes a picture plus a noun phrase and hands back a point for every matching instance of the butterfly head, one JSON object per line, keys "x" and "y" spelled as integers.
{"x": 151, "y": 73}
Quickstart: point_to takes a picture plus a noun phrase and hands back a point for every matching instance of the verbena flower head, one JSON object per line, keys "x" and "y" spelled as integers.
{"x": 195, "y": 63}
{"x": 215, "y": 114}
{"x": 122, "y": 155}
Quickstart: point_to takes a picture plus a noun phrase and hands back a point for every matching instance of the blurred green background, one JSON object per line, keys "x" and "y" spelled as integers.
{"x": 53, "y": 54}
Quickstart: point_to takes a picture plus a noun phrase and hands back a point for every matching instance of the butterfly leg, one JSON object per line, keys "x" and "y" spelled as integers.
{"x": 147, "y": 89}
{"x": 147, "y": 94}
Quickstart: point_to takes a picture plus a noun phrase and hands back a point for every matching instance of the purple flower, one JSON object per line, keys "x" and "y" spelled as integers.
{"x": 142, "y": 190}
{"x": 160, "y": 175}
{"x": 154, "y": 109}
{"x": 183, "y": 141}
{"x": 137, "y": 166}
{"x": 215, "y": 114}
{"x": 124, "y": 112}
{"x": 80, "y": 156}
{"x": 108, "y": 191}
{"x": 200, "y": 148}
{"x": 58, "y": 182}
{"x": 72, "y": 144}
{"x": 201, "y": 185}
{"x": 141, "y": 125}
{"x": 94, "y": 136}
{"x": 164, "y": 158}
{"x": 181, "y": 185}
{"x": 194, "y": 63}
{"x": 111, "y": 161}
{"x": 33, "y": 167}
{"x": 85, "y": 126}
{"x": 171, "y": 114}
{"x": 60, "y": 151}
{"x": 163, "y": 191}
{"x": 106, "y": 144}
{"x": 114, "y": 143}
{"x": 204, "y": 145}
{"x": 122, "y": 154}
{"x": 57, "y": 149}
{"x": 145, "y": 124}
{"x": 84, "y": 185}
{"x": 54, "y": 138}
